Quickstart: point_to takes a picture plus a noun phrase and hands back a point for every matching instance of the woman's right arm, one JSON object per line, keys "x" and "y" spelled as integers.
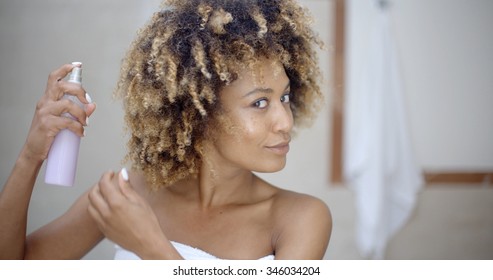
{"x": 71, "y": 236}
{"x": 16, "y": 193}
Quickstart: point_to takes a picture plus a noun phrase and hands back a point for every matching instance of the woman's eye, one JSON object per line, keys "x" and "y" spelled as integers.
{"x": 285, "y": 98}
{"x": 262, "y": 103}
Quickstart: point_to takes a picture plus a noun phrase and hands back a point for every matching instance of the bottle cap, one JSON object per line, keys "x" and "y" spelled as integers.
{"x": 76, "y": 74}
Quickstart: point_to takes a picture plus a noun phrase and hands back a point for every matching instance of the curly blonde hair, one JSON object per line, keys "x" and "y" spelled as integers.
{"x": 190, "y": 49}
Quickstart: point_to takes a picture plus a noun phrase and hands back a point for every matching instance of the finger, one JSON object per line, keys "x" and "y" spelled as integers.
{"x": 94, "y": 213}
{"x": 96, "y": 216}
{"x": 65, "y": 87}
{"x": 56, "y": 76}
{"x": 98, "y": 206}
{"x": 57, "y": 87}
{"x": 90, "y": 108}
{"x": 110, "y": 190}
{"x": 53, "y": 124}
{"x": 60, "y": 73}
{"x": 123, "y": 182}
{"x": 62, "y": 106}
{"x": 106, "y": 176}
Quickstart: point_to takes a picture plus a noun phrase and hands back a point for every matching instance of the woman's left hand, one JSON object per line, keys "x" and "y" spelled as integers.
{"x": 124, "y": 216}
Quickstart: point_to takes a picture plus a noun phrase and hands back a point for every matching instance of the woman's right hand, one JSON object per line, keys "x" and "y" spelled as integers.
{"x": 127, "y": 219}
{"x": 47, "y": 120}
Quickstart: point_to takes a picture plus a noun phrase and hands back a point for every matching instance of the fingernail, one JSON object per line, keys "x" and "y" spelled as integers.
{"x": 84, "y": 133}
{"x": 87, "y": 121}
{"x": 88, "y": 98}
{"x": 124, "y": 174}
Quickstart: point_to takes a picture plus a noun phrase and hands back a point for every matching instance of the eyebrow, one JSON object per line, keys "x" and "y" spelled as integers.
{"x": 264, "y": 90}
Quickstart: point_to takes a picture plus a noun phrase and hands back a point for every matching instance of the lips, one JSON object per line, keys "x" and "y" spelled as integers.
{"x": 281, "y": 148}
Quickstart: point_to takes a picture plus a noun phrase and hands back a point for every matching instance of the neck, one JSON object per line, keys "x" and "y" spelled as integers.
{"x": 223, "y": 185}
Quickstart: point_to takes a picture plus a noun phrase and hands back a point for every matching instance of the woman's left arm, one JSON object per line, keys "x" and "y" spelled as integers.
{"x": 304, "y": 229}
{"x": 127, "y": 219}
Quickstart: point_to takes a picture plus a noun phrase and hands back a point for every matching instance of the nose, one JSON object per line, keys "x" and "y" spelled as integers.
{"x": 283, "y": 118}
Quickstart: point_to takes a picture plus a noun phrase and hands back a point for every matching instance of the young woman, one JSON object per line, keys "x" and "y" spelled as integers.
{"x": 212, "y": 90}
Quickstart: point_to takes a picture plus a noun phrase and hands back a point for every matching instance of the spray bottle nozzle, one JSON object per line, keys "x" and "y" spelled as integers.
{"x": 76, "y": 74}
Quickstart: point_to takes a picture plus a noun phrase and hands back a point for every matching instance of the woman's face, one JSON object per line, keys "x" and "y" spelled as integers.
{"x": 258, "y": 119}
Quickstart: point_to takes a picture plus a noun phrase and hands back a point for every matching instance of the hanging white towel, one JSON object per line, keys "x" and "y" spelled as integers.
{"x": 379, "y": 165}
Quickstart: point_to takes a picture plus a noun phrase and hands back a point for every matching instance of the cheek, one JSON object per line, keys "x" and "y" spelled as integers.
{"x": 242, "y": 132}
{"x": 250, "y": 131}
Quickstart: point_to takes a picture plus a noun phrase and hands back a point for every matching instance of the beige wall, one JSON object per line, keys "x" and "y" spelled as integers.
{"x": 37, "y": 36}
{"x": 446, "y": 55}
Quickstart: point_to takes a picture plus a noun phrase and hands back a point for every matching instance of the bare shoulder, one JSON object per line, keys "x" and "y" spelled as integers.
{"x": 303, "y": 225}
{"x": 290, "y": 207}
{"x": 298, "y": 203}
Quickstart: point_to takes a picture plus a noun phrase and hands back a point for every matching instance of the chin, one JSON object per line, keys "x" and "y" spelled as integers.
{"x": 270, "y": 167}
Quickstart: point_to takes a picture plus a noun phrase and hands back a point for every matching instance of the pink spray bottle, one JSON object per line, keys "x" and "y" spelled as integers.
{"x": 61, "y": 163}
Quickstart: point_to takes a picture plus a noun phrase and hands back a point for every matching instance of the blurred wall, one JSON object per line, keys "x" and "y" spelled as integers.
{"x": 38, "y": 36}
{"x": 446, "y": 56}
